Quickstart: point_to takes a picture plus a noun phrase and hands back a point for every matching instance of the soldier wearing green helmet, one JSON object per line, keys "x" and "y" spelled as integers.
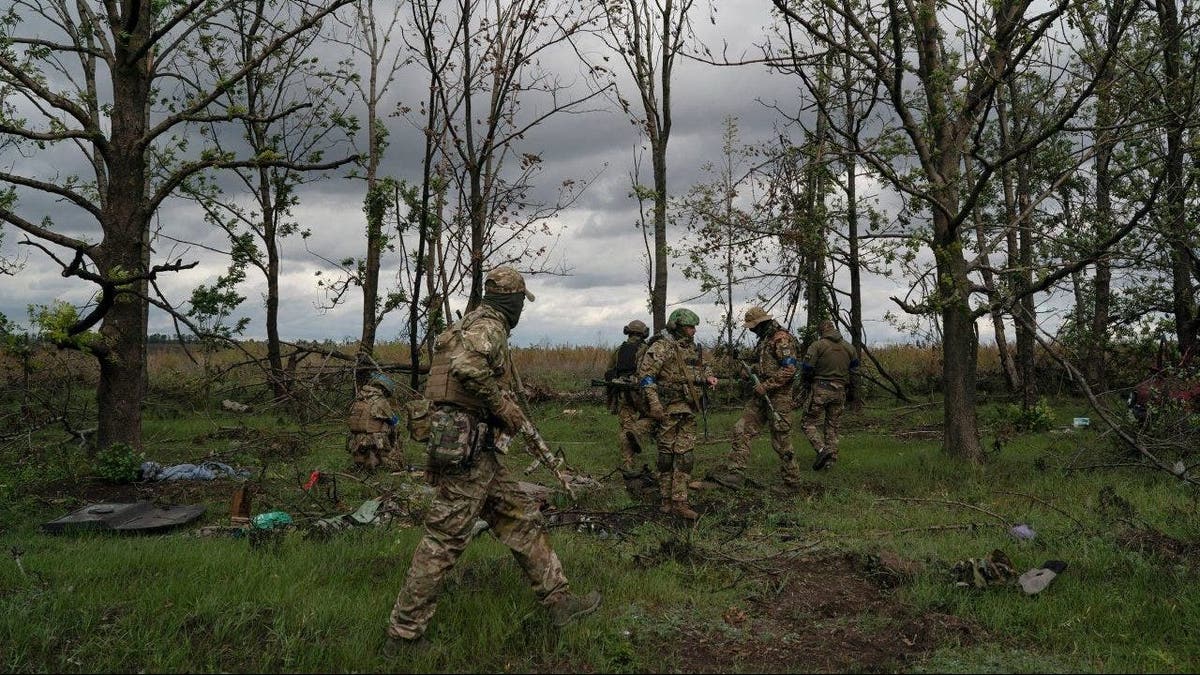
{"x": 671, "y": 374}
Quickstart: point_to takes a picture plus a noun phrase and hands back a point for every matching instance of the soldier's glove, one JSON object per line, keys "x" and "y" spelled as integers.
{"x": 760, "y": 389}
{"x": 510, "y": 415}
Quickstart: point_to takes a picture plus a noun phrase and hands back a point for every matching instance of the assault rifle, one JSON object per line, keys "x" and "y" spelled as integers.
{"x": 542, "y": 454}
{"x": 619, "y": 385}
{"x": 766, "y": 398}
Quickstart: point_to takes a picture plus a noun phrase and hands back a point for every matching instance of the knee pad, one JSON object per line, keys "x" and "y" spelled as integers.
{"x": 685, "y": 462}
{"x": 665, "y": 461}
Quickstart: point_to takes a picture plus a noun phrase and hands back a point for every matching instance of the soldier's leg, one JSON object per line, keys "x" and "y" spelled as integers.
{"x": 668, "y": 434}
{"x": 744, "y": 431}
{"x": 627, "y": 418}
{"x": 517, "y": 522}
{"x": 833, "y": 421}
{"x": 448, "y": 524}
{"x": 681, "y": 474}
{"x": 814, "y": 420}
{"x": 781, "y": 441}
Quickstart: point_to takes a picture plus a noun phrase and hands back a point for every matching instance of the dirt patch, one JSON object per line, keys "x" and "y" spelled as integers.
{"x": 825, "y": 617}
{"x": 1151, "y": 541}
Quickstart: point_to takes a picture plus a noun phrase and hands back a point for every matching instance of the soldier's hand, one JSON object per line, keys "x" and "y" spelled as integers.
{"x": 712, "y": 382}
{"x": 657, "y": 412}
{"x": 760, "y": 389}
{"x": 510, "y": 415}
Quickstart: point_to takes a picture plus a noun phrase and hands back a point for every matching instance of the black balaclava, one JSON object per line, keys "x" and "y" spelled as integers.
{"x": 508, "y": 304}
{"x": 762, "y": 328}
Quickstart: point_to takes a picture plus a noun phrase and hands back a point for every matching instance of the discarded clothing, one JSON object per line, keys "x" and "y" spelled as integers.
{"x": 203, "y": 471}
{"x": 1036, "y": 580}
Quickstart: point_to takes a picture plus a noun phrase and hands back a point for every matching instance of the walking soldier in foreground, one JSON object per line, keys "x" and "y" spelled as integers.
{"x": 776, "y": 361}
{"x": 672, "y": 374}
{"x": 829, "y": 383}
{"x": 470, "y": 408}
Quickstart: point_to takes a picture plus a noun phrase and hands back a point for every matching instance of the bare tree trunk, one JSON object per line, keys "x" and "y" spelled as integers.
{"x": 1007, "y": 367}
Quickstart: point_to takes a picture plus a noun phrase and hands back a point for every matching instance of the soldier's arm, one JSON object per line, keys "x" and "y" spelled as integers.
{"x": 476, "y": 364}
{"x": 785, "y": 357}
{"x": 649, "y": 367}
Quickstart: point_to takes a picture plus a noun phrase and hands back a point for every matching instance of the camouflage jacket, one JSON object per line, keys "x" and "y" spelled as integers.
{"x": 776, "y": 359}
{"x": 830, "y": 358}
{"x": 371, "y": 413}
{"x": 477, "y": 350}
{"x": 670, "y": 372}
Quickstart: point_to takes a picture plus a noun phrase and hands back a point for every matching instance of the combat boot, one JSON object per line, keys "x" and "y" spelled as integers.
{"x": 684, "y": 510}
{"x": 398, "y": 647}
{"x": 825, "y": 459}
{"x": 571, "y": 607}
{"x": 666, "y": 506}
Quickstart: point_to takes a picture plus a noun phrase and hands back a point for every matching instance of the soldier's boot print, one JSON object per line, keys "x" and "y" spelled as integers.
{"x": 572, "y": 607}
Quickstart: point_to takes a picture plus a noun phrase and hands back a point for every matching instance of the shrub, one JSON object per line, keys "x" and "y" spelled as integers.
{"x": 119, "y": 463}
{"x": 1039, "y": 417}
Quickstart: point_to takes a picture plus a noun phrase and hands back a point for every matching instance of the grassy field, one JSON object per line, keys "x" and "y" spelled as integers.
{"x": 850, "y": 572}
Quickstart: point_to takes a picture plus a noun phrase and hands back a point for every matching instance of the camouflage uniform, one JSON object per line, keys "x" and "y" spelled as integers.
{"x": 630, "y": 406}
{"x": 827, "y": 365}
{"x": 372, "y": 422}
{"x": 670, "y": 374}
{"x": 468, "y": 403}
{"x": 775, "y": 356}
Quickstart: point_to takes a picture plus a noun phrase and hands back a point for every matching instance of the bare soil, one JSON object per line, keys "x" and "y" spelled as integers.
{"x": 826, "y": 617}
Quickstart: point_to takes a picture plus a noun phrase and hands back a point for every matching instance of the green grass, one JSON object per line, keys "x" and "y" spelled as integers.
{"x": 181, "y": 603}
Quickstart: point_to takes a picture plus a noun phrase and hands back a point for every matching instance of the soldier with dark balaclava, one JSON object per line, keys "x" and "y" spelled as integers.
{"x": 469, "y": 406}
{"x": 672, "y": 375}
{"x": 827, "y": 371}
{"x": 775, "y": 364}
{"x": 626, "y": 400}
{"x": 372, "y": 423}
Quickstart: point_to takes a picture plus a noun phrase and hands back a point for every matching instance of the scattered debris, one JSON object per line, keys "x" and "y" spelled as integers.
{"x": 202, "y": 471}
{"x": 1022, "y": 532}
{"x": 271, "y": 520}
{"x": 1037, "y": 579}
{"x": 886, "y": 569}
{"x": 136, "y": 517}
{"x": 234, "y": 406}
{"x": 994, "y": 570}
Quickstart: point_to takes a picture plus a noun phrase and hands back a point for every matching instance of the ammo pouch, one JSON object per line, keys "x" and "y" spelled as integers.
{"x": 419, "y": 425}
{"x": 453, "y": 437}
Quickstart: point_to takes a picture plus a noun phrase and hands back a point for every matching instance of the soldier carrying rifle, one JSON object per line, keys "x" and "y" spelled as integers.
{"x": 673, "y": 376}
{"x": 775, "y": 365}
{"x": 625, "y": 399}
{"x": 470, "y": 408}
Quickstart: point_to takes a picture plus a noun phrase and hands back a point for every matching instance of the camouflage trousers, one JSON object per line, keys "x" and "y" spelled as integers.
{"x": 635, "y": 429}
{"x": 371, "y": 450}
{"x": 823, "y": 417}
{"x": 676, "y": 440}
{"x": 485, "y": 490}
{"x": 756, "y": 416}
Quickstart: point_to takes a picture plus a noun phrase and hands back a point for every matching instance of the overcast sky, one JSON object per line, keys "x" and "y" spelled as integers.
{"x": 597, "y": 242}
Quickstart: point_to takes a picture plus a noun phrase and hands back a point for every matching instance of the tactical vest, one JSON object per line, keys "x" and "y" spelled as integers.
{"x": 442, "y": 387}
{"x": 361, "y": 421}
{"x": 627, "y": 361}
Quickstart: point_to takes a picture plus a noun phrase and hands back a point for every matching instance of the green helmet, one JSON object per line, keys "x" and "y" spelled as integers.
{"x": 682, "y": 317}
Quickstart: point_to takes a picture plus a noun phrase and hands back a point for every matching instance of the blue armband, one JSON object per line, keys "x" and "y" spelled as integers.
{"x": 646, "y": 381}
{"x": 394, "y": 420}
{"x": 854, "y": 364}
{"x": 806, "y": 367}
{"x": 788, "y": 362}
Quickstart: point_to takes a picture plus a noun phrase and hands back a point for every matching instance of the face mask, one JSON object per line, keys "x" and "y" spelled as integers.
{"x": 509, "y": 304}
